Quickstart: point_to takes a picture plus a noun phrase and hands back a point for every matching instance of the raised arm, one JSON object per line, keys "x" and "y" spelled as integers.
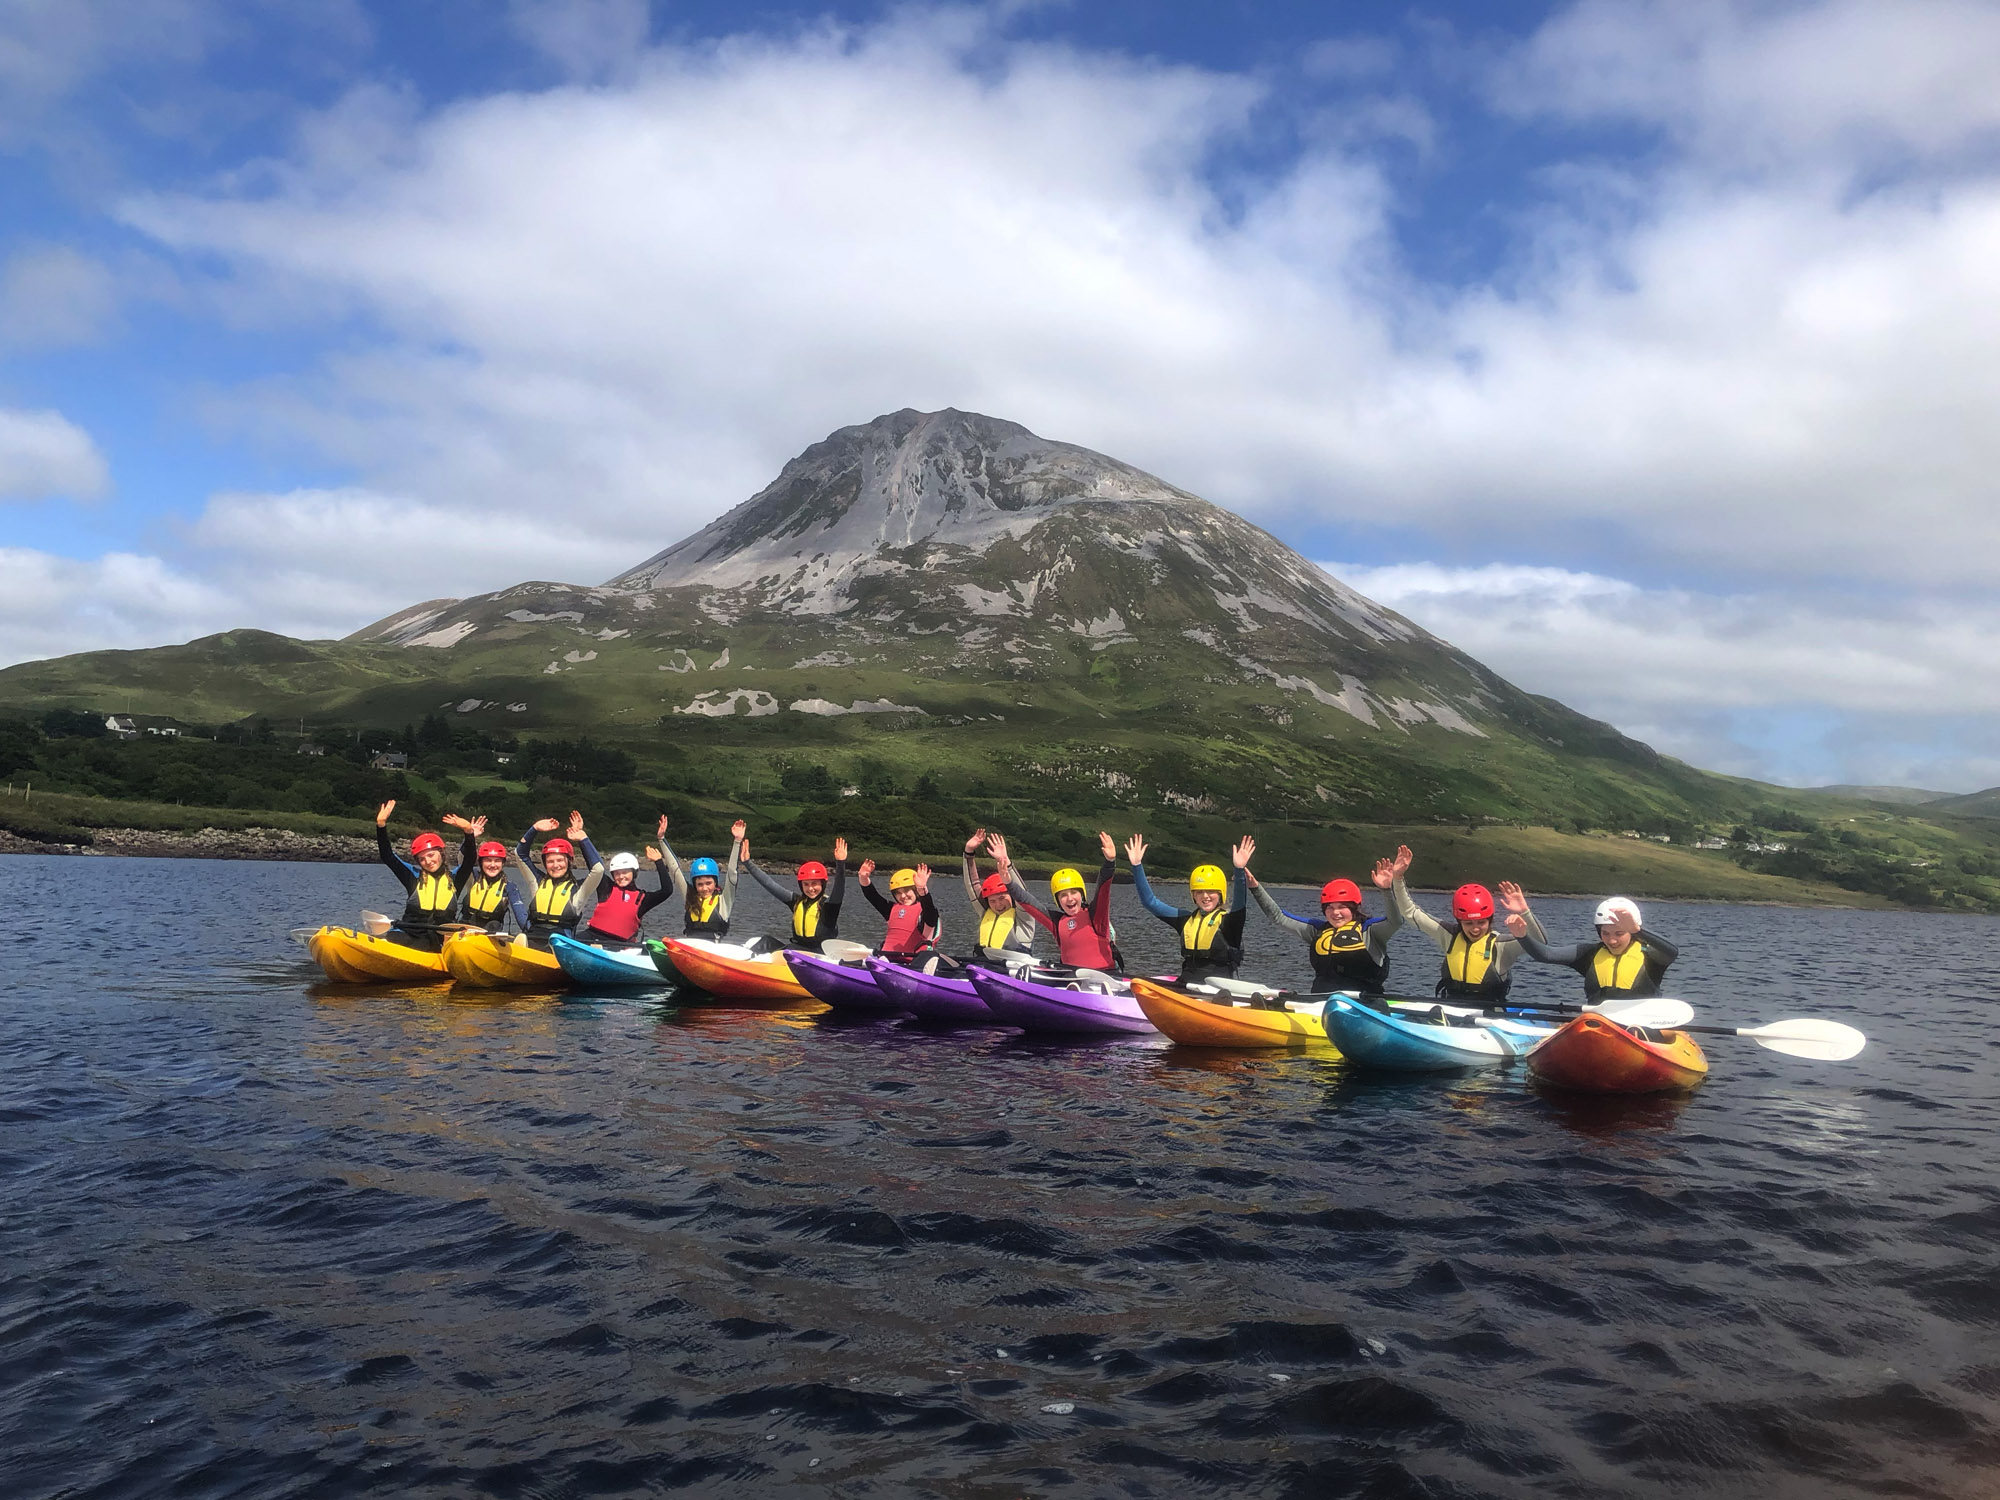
{"x": 972, "y": 867}
{"x": 1408, "y": 910}
{"x": 1277, "y": 913}
{"x": 1143, "y": 888}
{"x": 778, "y": 888}
{"x": 672, "y": 867}
{"x": 386, "y": 852}
{"x": 737, "y": 832}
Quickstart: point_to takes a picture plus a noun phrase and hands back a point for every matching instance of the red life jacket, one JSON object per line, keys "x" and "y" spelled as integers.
{"x": 617, "y": 913}
{"x": 1081, "y": 945}
{"x": 908, "y": 933}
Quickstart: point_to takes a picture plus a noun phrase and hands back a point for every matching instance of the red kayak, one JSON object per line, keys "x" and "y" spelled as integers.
{"x": 1598, "y": 1056}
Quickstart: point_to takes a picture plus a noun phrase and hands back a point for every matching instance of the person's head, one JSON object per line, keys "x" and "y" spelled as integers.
{"x": 993, "y": 891}
{"x": 1614, "y": 934}
{"x": 1340, "y": 902}
{"x": 623, "y": 869}
{"x": 492, "y": 859}
{"x": 1207, "y": 883}
{"x": 556, "y": 857}
{"x": 707, "y": 877}
{"x": 427, "y": 849}
{"x": 1472, "y": 906}
{"x": 903, "y": 887}
{"x": 1066, "y": 886}
{"x": 812, "y": 879}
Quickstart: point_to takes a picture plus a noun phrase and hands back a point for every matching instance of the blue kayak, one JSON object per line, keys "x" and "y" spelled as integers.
{"x": 589, "y": 965}
{"x": 1430, "y": 1039}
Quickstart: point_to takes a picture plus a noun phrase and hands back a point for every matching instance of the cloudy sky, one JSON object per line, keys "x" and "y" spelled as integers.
{"x": 1648, "y": 349}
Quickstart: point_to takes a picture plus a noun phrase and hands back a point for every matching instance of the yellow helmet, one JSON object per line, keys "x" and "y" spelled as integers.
{"x": 903, "y": 880}
{"x": 1208, "y": 878}
{"x": 1065, "y": 880}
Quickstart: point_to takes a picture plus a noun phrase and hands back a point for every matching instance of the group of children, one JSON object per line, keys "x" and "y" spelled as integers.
{"x": 570, "y": 888}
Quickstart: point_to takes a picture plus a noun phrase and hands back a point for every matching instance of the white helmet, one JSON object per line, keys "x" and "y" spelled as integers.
{"x": 622, "y": 862}
{"x": 1608, "y": 911}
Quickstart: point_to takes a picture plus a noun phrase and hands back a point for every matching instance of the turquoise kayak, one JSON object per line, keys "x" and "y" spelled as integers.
{"x": 589, "y": 965}
{"x": 1425, "y": 1039}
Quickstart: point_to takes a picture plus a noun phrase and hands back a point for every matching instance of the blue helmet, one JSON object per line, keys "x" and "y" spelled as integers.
{"x": 708, "y": 867}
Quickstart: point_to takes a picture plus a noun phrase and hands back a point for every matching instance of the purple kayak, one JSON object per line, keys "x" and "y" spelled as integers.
{"x": 845, "y": 987}
{"x": 1056, "y": 1006}
{"x": 947, "y": 998}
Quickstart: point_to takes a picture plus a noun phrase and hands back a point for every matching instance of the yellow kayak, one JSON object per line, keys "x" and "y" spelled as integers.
{"x": 361, "y": 958}
{"x": 492, "y": 960}
{"x": 1221, "y": 1021}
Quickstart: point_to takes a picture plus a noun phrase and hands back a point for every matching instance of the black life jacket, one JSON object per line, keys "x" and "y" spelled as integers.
{"x": 1341, "y": 960}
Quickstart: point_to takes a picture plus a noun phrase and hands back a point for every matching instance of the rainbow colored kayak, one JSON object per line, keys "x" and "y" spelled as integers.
{"x": 730, "y": 971}
{"x": 1595, "y": 1055}
{"x": 1215, "y": 1019}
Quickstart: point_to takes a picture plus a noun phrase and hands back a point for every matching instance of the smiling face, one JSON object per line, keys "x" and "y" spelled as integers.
{"x": 811, "y": 889}
{"x": 1070, "y": 902}
{"x": 492, "y": 865}
{"x": 557, "y": 865}
{"x": 704, "y": 886}
{"x": 623, "y": 878}
{"x": 431, "y": 861}
{"x": 1001, "y": 902}
{"x": 1340, "y": 913}
{"x": 1475, "y": 927}
{"x": 1207, "y": 901}
{"x": 905, "y": 896}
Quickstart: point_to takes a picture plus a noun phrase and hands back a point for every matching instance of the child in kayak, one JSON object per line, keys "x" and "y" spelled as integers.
{"x": 1085, "y": 938}
{"x": 622, "y": 905}
{"x": 1478, "y": 962}
{"x": 1349, "y": 952}
{"x": 1626, "y": 961}
{"x": 706, "y": 894}
{"x": 815, "y": 905}
{"x": 556, "y": 896}
{"x": 486, "y": 900}
{"x": 1211, "y": 937}
{"x": 1002, "y": 934}
{"x": 431, "y": 890}
{"x": 909, "y": 910}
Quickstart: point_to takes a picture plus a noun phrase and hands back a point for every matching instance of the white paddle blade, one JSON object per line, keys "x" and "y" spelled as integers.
{"x": 376, "y": 923}
{"x": 840, "y": 950}
{"x": 303, "y": 935}
{"x": 1657, "y": 1012}
{"x": 1826, "y": 1041}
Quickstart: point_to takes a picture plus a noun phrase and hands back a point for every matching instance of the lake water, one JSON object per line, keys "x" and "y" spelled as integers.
{"x": 265, "y": 1236}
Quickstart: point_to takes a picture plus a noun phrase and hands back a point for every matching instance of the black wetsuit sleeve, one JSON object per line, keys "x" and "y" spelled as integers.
{"x": 389, "y": 857}
{"x": 770, "y": 883}
{"x": 653, "y": 898}
{"x": 1576, "y": 956}
{"x": 1658, "y": 945}
{"x": 874, "y": 898}
{"x": 929, "y": 909}
{"x": 1100, "y": 899}
{"x": 836, "y": 891}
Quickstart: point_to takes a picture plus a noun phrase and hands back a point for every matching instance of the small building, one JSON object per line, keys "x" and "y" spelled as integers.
{"x": 164, "y": 731}
{"x": 390, "y": 760}
{"x": 121, "y": 725}
{"x": 307, "y": 747}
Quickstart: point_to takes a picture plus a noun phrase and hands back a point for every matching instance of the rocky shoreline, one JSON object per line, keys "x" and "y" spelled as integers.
{"x": 207, "y": 843}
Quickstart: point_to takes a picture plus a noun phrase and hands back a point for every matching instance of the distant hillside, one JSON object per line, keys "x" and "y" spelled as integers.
{"x": 1895, "y": 796}
{"x": 1984, "y": 804}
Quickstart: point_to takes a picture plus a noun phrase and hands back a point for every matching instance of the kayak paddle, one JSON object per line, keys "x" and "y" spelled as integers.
{"x": 1824, "y": 1041}
{"x": 375, "y": 922}
{"x": 841, "y": 951}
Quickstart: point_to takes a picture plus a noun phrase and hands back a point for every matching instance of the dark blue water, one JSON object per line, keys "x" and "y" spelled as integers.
{"x": 262, "y": 1236}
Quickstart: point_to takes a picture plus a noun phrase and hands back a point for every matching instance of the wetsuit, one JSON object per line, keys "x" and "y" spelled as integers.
{"x": 1635, "y": 974}
{"x": 1001, "y": 933}
{"x": 1211, "y": 942}
{"x": 486, "y": 903}
{"x": 429, "y": 899}
{"x": 814, "y": 918}
{"x": 554, "y": 905}
{"x": 1086, "y": 940}
{"x": 709, "y": 919}
{"x": 912, "y": 925}
{"x": 1353, "y": 958}
{"x": 615, "y": 920}
{"x": 1474, "y": 969}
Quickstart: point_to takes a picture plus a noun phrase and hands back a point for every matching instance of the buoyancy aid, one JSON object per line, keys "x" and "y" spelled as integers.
{"x": 1204, "y": 948}
{"x": 1619, "y": 974}
{"x": 549, "y": 910}
{"x": 616, "y": 914}
{"x": 1341, "y": 961}
{"x": 805, "y": 917}
{"x": 996, "y": 927}
{"x": 431, "y": 900}
{"x": 704, "y": 918}
{"x": 908, "y": 931}
{"x": 1081, "y": 945}
{"x": 1469, "y": 970}
{"x": 486, "y": 901}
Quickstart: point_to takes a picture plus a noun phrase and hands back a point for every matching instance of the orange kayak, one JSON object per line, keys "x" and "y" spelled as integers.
{"x": 1598, "y": 1056}
{"x": 731, "y": 972}
{"x": 1198, "y": 1021}
{"x": 362, "y": 958}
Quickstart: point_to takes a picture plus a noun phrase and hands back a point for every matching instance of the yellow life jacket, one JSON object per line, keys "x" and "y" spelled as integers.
{"x": 702, "y": 908}
{"x": 434, "y": 894}
{"x": 552, "y": 899}
{"x": 995, "y": 927}
{"x": 1619, "y": 972}
{"x": 1466, "y": 961}
{"x": 486, "y": 898}
{"x": 1346, "y": 939}
{"x": 1198, "y": 932}
{"x": 805, "y": 918}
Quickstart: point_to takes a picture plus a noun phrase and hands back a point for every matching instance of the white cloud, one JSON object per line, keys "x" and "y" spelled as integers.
{"x": 52, "y": 297}
{"x": 50, "y": 606}
{"x": 43, "y": 454}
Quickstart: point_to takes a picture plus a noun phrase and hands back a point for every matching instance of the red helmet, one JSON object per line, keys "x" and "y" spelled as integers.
{"x": 423, "y": 843}
{"x": 993, "y": 885}
{"x": 492, "y": 850}
{"x": 1340, "y": 890}
{"x": 559, "y": 846}
{"x": 1471, "y": 902}
{"x": 812, "y": 869}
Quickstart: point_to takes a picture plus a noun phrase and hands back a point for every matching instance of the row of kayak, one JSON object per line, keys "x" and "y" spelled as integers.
{"x": 1590, "y": 1051}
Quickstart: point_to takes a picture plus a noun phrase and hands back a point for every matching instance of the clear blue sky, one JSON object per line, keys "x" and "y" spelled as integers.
{"x": 1646, "y": 351}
